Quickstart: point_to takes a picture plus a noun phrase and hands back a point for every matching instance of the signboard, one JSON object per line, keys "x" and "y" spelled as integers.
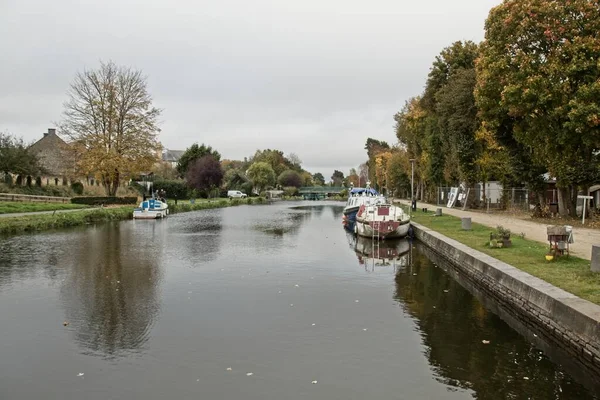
{"x": 585, "y": 199}
{"x": 452, "y": 197}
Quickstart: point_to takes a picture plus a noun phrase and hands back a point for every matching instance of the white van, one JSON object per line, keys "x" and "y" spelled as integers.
{"x": 236, "y": 194}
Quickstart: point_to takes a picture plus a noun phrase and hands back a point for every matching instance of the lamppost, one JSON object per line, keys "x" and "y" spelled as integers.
{"x": 412, "y": 185}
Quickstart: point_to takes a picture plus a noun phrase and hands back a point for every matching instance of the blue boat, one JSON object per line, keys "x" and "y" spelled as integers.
{"x": 356, "y": 198}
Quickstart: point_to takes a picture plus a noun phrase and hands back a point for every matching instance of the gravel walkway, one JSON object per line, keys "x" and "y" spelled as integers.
{"x": 584, "y": 238}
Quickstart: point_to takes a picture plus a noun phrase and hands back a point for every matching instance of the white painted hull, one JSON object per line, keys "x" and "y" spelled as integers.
{"x": 365, "y": 229}
{"x": 146, "y": 214}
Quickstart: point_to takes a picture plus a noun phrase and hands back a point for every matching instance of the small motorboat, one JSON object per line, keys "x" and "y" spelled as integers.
{"x": 381, "y": 220}
{"x": 151, "y": 209}
{"x": 356, "y": 198}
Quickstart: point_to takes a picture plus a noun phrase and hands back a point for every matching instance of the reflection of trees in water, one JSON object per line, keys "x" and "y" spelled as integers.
{"x": 453, "y": 326}
{"x": 110, "y": 295}
{"x": 199, "y": 237}
{"x": 286, "y": 223}
{"x": 23, "y": 257}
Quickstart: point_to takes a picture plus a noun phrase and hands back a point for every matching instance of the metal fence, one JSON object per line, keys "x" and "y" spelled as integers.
{"x": 490, "y": 198}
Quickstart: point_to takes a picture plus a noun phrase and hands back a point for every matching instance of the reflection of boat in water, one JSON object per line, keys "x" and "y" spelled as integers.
{"x": 151, "y": 209}
{"x": 381, "y": 220}
{"x": 380, "y": 253}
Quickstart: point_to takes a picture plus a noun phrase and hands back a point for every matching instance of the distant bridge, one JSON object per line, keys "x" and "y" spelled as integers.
{"x": 320, "y": 192}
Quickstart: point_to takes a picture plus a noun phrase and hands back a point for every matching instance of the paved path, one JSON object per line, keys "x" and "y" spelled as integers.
{"x": 584, "y": 238}
{"x": 7, "y": 215}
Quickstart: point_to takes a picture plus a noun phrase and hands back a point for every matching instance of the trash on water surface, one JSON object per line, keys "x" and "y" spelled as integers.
{"x": 356, "y": 301}
{"x": 249, "y": 374}
{"x": 365, "y": 329}
{"x": 80, "y": 374}
{"x": 314, "y": 382}
{"x": 485, "y": 341}
{"x": 229, "y": 369}
{"x": 446, "y": 290}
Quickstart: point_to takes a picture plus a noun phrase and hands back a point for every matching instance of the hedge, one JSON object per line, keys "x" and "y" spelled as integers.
{"x": 173, "y": 189}
{"x": 96, "y": 201}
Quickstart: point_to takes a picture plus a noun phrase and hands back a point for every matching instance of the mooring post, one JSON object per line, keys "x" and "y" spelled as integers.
{"x": 595, "y": 267}
{"x": 466, "y": 223}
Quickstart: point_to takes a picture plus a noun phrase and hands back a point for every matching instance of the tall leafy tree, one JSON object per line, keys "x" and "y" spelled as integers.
{"x": 337, "y": 178}
{"x": 14, "y": 157}
{"x": 459, "y": 123}
{"x": 193, "y": 153}
{"x": 290, "y": 178}
{"x": 539, "y": 68}
{"x": 262, "y": 175}
{"x": 205, "y": 174}
{"x": 318, "y": 179}
{"x": 111, "y": 124}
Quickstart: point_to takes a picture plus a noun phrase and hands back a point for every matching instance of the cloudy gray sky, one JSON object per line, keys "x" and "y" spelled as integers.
{"x": 313, "y": 77}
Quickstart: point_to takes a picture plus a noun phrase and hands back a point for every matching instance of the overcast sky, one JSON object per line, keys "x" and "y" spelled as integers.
{"x": 313, "y": 77}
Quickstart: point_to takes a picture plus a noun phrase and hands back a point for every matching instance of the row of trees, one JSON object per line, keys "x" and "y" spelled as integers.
{"x": 522, "y": 103}
{"x": 202, "y": 168}
{"x": 112, "y": 128}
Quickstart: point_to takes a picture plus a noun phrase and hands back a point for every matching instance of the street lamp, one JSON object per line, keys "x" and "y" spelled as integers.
{"x": 412, "y": 179}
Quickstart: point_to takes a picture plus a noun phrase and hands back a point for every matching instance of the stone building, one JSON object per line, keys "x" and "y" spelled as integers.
{"x": 53, "y": 155}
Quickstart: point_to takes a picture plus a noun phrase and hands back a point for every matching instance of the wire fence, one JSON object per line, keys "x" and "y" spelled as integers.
{"x": 491, "y": 198}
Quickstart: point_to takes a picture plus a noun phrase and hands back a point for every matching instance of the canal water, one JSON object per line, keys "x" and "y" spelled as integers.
{"x": 251, "y": 302}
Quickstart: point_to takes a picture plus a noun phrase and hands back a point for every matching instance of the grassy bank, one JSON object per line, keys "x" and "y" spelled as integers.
{"x": 40, "y": 222}
{"x": 569, "y": 273}
{"x": 205, "y": 204}
{"x": 9, "y": 207}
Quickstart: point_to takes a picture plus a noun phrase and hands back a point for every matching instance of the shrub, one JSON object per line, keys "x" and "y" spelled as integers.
{"x": 96, "y": 201}
{"x": 290, "y": 191}
{"x": 77, "y": 188}
{"x": 173, "y": 189}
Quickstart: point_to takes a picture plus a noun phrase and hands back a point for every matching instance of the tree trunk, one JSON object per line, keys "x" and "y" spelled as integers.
{"x": 563, "y": 201}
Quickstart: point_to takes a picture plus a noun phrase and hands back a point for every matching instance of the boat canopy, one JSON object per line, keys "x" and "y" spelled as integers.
{"x": 367, "y": 191}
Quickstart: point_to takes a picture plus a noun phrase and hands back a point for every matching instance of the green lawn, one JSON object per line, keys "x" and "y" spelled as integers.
{"x": 18, "y": 207}
{"x": 569, "y": 273}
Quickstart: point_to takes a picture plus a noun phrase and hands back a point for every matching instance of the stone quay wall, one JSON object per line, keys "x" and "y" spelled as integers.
{"x": 561, "y": 318}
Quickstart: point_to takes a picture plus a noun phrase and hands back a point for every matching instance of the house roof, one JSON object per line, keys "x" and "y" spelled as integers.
{"x": 51, "y": 152}
{"x": 172, "y": 155}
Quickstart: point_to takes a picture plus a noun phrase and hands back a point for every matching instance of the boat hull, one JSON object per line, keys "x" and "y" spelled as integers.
{"x": 382, "y": 229}
{"x": 146, "y": 214}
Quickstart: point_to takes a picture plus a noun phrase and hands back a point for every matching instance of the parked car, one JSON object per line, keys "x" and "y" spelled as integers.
{"x": 232, "y": 194}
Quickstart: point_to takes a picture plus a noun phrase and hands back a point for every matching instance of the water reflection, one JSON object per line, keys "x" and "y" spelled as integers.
{"x": 374, "y": 253}
{"x": 18, "y": 252}
{"x": 507, "y": 367}
{"x": 198, "y": 235}
{"x": 110, "y": 294}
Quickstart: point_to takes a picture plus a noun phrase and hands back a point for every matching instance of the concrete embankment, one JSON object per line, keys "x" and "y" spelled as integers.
{"x": 565, "y": 320}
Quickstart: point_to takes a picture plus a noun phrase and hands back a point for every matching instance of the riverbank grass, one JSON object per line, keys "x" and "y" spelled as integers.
{"x": 206, "y": 204}
{"x": 568, "y": 273}
{"x": 9, "y": 207}
{"x": 41, "y": 222}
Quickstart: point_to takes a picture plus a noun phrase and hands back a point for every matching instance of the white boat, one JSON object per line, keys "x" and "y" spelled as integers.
{"x": 151, "y": 209}
{"x": 356, "y": 198}
{"x": 381, "y": 220}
